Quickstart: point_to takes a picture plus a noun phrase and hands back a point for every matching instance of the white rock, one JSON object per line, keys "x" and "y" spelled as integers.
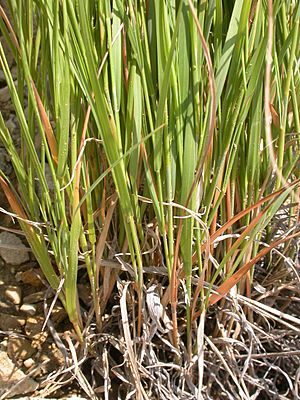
{"x": 12, "y": 250}
{"x": 29, "y": 362}
{"x": 13, "y": 294}
{"x": 29, "y": 309}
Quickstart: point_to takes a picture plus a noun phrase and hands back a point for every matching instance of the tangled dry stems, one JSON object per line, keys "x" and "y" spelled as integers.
{"x": 250, "y": 347}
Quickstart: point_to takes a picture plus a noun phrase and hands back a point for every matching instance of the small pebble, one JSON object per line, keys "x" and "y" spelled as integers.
{"x": 34, "y": 297}
{"x": 14, "y": 72}
{"x": 29, "y": 309}
{"x": 11, "y": 322}
{"x": 4, "y": 95}
{"x": 30, "y": 277}
{"x": 34, "y": 326}
{"x": 29, "y": 362}
{"x": 19, "y": 348}
{"x": 13, "y": 294}
{"x": 10, "y": 125}
{"x": 12, "y": 250}
{"x": 14, "y": 379}
{"x": 44, "y": 358}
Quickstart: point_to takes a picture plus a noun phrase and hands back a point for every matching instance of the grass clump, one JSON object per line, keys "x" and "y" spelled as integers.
{"x": 171, "y": 134}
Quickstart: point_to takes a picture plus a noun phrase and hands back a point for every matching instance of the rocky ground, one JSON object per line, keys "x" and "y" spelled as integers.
{"x": 28, "y": 353}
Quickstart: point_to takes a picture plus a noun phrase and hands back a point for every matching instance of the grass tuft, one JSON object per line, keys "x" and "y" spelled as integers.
{"x": 171, "y": 133}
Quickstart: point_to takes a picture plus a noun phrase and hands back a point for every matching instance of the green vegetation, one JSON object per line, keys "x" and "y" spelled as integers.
{"x": 153, "y": 118}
